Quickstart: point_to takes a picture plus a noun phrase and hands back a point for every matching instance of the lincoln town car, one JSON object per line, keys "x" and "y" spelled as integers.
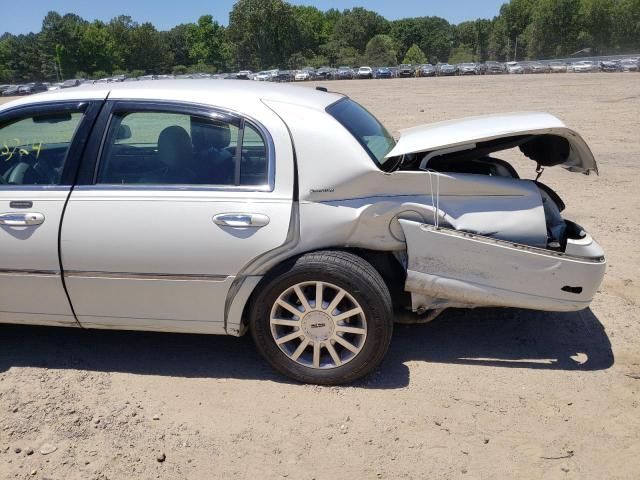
{"x": 285, "y": 212}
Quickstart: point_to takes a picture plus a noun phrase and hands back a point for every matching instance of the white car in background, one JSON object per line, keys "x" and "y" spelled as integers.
{"x": 365, "y": 72}
{"x": 515, "y": 68}
{"x": 286, "y": 212}
{"x": 629, "y": 65}
{"x": 302, "y": 76}
{"x": 585, "y": 66}
{"x": 265, "y": 76}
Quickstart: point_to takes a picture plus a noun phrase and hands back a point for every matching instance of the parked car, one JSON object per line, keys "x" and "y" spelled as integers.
{"x": 244, "y": 75}
{"x": 585, "y": 66}
{"x": 302, "y": 76}
{"x": 311, "y": 250}
{"x": 406, "y": 71}
{"x": 494, "y": 68}
{"x": 365, "y": 72}
{"x": 11, "y": 91}
{"x": 468, "y": 69}
{"x": 344, "y": 73}
{"x": 539, "y": 67}
{"x": 628, "y": 65}
{"x": 74, "y": 82}
{"x": 264, "y": 76}
{"x": 383, "y": 72}
{"x": 609, "y": 66}
{"x": 426, "y": 70}
{"x": 326, "y": 73}
{"x": 557, "y": 67}
{"x": 446, "y": 70}
{"x": 284, "y": 76}
{"x": 31, "y": 88}
{"x": 515, "y": 68}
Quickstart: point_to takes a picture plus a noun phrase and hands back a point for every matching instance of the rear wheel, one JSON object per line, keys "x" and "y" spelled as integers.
{"x": 324, "y": 318}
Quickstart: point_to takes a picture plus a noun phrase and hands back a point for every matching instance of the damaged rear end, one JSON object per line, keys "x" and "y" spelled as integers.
{"x": 495, "y": 239}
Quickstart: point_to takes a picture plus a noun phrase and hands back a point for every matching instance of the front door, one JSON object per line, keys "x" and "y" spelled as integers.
{"x": 39, "y": 149}
{"x": 182, "y": 199}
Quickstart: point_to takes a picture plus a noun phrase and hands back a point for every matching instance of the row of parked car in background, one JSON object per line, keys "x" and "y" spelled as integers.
{"x": 631, "y": 64}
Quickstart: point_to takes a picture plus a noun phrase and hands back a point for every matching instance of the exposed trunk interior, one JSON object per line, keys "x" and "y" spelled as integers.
{"x": 477, "y": 159}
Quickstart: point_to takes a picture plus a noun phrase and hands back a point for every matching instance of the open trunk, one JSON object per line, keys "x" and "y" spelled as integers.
{"x": 541, "y": 137}
{"x": 519, "y": 251}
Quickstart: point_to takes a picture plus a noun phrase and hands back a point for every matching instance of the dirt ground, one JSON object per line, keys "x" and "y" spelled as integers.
{"x": 475, "y": 394}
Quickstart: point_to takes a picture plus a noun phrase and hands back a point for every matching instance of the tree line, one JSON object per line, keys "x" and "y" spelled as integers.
{"x": 263, "y": 34}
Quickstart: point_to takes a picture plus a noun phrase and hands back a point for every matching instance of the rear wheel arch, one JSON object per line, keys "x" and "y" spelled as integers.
{"x": 386, "y": 263}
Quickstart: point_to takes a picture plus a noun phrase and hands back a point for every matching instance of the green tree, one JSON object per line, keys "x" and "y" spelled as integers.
{"x": 357, "y": 26}
{"x": 94, "y": 50}
{"x": 414, "y": 56}
{"x": 626, "y": 35}
{"x": 150, "y": 52}
{"x": 381, "y": 50}
{"x": 554, "y": 28}
{"x": 207, "y": 43}
{"x": 597, "y": 25}
{"x": 461, "y": 54}
{"x": 433, "y": 35}
{"x": 60, "y": 42}
{"x": 120, "y": 41}
{"x": 264, "y": 33}
{"x": 312, "y": 28}
{"x": 177, "y": 41}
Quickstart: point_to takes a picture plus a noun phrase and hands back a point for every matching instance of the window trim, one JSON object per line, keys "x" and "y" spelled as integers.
{"x": 89, "y": 109}
{"x": 89, "y": 176}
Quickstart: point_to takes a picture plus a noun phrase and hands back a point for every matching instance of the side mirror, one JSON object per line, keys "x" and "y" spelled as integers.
{"x": 123, "y": 133}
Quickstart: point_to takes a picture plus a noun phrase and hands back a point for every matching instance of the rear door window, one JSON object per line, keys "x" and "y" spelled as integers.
{"x": 167, "y": 148}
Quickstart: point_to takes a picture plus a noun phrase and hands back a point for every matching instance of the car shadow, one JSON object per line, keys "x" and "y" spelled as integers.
{"x": 483, "y": 337}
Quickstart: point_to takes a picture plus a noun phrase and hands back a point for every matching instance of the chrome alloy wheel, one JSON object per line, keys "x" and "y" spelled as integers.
{"x": 318, "y": 325}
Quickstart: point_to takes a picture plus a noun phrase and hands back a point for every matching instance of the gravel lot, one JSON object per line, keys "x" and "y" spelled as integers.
{"x": 475, "y": 394}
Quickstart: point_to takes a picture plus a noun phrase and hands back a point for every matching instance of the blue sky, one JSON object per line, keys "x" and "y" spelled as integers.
{"x": 26, "y": 15}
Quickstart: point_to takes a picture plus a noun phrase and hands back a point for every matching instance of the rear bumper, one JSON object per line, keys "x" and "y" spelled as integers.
{"x": 448, "y": 268}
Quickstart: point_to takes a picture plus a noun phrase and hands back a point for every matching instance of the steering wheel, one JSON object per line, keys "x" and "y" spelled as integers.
{"x": 23, "y": 170}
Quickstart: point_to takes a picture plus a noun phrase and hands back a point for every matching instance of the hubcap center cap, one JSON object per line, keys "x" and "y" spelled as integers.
{"x": 317, "y": 326}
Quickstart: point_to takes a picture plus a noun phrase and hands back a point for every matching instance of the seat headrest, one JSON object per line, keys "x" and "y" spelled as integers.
{"x": 174, "y": 146}
{"x": 216, "y": 135}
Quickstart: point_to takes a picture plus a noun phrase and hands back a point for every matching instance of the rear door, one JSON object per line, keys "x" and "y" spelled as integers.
{"x": 40, "y": 146}
{"x": 181, "y": 199}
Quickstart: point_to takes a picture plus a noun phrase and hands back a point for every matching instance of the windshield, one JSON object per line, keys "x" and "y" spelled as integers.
{"x": 364, "y": 127}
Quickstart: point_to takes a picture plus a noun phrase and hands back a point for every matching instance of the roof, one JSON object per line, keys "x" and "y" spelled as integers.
{"x": 231, "y": 94}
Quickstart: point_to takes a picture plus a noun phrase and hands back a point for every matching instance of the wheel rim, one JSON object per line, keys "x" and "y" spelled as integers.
{"x": 318, "y": 325}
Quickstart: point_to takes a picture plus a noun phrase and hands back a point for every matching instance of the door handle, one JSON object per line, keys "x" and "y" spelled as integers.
{"x": 21, "y": 219}
{"x": 241, "y": 220}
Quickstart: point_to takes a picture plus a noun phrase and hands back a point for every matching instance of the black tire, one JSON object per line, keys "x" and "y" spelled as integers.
{"x": 344, "y": 270}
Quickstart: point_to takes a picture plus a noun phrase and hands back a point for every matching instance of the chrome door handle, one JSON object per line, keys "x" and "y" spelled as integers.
{"x": 21, "y": 219}
{"x": 241, "y": 220}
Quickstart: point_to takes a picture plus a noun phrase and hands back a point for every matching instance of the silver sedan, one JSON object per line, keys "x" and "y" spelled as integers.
{"x": 291, "y": 213}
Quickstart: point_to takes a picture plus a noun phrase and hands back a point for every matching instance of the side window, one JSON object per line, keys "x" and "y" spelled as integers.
{"x": 33, "y": 150}
{"x": 253, "y": 170}
{"x": 163, "y": 148}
